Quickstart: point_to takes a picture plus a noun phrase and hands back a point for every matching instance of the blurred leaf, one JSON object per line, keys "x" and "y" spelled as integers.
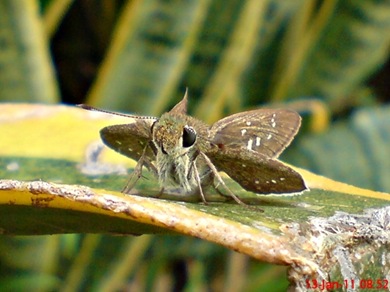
{"x": 240, "y": 53}
{"x": 352, "y": 43}
{"x": 359, "y": 146}
{"x": 26, "y": 72}
{"x": 21, "y": 282}
{"x": 54, "y": 13}
{"x": 148, "y": 54}
{"x": 235, "y": 59}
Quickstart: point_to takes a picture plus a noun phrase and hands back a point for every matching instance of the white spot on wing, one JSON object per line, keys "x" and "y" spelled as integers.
{"x": 269, "y": 136}
{"x": 243, "y": 131}
{"x": 273, "y": 181}
{"x": 258, "y": 139}
{"x": 248, "y": 123}
{"x": 118, "y": 142}
{"x": 250, "y": 144}
{"x": 257, "y": 182}
{"x": 243, "y": 165}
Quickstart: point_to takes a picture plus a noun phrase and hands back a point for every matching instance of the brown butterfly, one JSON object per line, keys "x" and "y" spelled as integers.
{"x": 187, "y": 154}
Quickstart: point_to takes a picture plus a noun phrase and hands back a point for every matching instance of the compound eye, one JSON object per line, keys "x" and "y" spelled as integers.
{"x": 189, "y": 136}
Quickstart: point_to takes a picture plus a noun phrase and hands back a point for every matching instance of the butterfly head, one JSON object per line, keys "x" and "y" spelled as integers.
{"x": 172, "y": 136}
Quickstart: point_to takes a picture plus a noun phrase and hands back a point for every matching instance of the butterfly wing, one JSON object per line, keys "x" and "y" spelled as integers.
{"x": 258, "y": 173}
{"x": 131, "y": 139}
{"x": 266, "y": 131}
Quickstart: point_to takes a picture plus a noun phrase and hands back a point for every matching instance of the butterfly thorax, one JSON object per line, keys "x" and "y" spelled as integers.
{"x": 178, "y": 145}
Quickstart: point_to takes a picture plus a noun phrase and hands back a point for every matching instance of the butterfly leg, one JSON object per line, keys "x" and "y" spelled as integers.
{"x": 134, "y": 177}
{"x": 220, "y": 180}
{"x": 160, "y": 193}
{"x": 197, "y": 177}
{"x": 137, "y": 173}
{"x": 227, "y": 197}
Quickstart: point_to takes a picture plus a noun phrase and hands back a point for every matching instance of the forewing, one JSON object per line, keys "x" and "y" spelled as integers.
{"x": 266, "y": 131}
{"x": 258, "y": 173}
{"x": 130, "y": 139}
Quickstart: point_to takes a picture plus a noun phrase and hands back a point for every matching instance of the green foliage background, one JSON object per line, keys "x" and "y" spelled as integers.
{"x": 139, "y": 56}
